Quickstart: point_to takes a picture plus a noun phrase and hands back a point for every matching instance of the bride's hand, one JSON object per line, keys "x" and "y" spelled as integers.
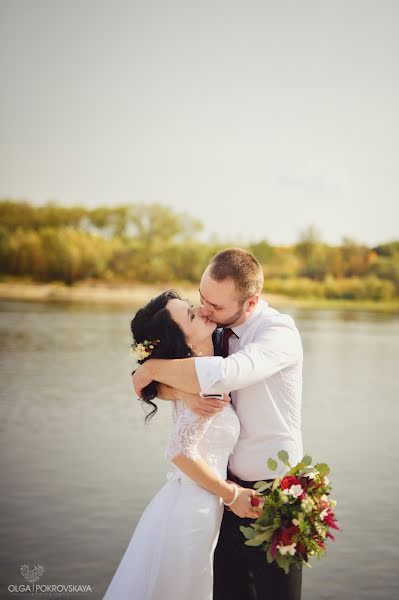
{"x": 242, "y": 506}
{"x": 204, "y": 407}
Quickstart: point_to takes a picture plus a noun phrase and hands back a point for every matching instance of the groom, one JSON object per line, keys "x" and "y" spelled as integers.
{"x": 261, "y": 365}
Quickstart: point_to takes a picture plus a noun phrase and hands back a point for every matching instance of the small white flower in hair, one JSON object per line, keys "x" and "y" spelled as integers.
{"x": 144, "y": 349}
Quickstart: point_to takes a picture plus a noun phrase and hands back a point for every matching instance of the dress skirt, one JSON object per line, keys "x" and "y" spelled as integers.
{"x": 170, "y": 555}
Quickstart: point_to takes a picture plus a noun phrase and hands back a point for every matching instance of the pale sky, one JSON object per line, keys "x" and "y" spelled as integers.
{"x": 258, "y": 117}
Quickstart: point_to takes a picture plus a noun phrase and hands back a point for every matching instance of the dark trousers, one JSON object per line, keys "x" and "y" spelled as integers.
{"x": 243, "y": 572}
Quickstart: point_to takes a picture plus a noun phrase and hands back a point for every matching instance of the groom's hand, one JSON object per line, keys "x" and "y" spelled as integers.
{"x": 141, "y": 378}
{"x": 204, "y": 407}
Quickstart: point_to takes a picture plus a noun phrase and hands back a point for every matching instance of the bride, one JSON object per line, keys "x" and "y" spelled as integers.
{"x": 170, "y": 555}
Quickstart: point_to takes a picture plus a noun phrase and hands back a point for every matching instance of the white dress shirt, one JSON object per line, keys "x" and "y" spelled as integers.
{"x": 263, "y": 372}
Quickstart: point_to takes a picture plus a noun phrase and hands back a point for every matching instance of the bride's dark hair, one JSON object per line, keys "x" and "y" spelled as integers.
{"x": 154, "y": 322}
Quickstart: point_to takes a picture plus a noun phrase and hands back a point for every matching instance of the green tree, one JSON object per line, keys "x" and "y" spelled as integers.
{"x": 313, "y": 254}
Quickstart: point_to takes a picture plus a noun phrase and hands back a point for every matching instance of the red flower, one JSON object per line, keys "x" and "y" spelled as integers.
{"x": 305, "y": 482}
{"x": 286, "y": 536}
{"x": 256, "y": 501}
{"x": 329, "y": 520}
{"x": 301, "y": 549}
{"x": 330, "y": 535}
{"x": 288, "y": 481}
{"x": 320, "y": 543}
{"x": 275, "y": 543}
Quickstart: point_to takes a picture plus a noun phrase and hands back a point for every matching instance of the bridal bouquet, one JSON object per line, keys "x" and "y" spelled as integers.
{"x": 297, "y": 514}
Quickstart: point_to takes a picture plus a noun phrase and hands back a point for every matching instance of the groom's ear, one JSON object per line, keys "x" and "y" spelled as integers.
{"x": 252, "y": 302}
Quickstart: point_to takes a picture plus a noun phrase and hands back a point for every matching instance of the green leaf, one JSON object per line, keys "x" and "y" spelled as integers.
{"x": 272, "y": 464}
{"x": 259, "y": 484}
{"x": 307, "y": 460}
{"x": 249, "y": 532}
{"x": 283, "y": 562}
{"x": 283, "y": 456}
{"x": 298, "y": 468}
{"x": 269, "y": 554}
{"x": 276, "y": 483}
{"x": 260, "y": 539}
{"x": 323, "y": 469}
{"x": 300, "y": 472}
{"x": 308, "y": 469}
{"x": 262, "y": 488}
{"x": 262, "y": 528}
{"x": 263, "y": 520}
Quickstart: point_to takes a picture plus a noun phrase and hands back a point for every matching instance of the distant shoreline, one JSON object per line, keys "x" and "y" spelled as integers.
{"x": 127, "y": 294}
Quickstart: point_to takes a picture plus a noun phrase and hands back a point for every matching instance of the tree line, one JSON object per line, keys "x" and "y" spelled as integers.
{"x": 140, "y": 243}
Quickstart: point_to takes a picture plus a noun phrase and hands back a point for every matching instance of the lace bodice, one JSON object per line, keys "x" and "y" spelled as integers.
{"x": 210, "y": 438}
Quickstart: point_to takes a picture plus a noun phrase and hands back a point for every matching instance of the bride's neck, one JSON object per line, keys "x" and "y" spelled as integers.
{"x": 205, "y": 349}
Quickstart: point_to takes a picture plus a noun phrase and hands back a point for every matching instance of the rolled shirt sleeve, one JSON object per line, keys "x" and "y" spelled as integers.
{"x": 273, "y": 350}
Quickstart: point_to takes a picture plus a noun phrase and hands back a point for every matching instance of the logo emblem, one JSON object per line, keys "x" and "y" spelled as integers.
{"x": 32, "y": 575}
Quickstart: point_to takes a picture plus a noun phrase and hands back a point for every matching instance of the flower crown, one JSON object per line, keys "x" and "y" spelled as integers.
{"x": 143, "y": 349}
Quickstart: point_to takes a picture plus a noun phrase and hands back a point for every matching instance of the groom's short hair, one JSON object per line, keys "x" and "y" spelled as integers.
{"x": 241, "y": 266}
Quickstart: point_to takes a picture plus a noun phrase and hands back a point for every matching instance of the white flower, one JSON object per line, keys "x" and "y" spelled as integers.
{"x": 290, "y": 549}
{"x": 333, "y": 503}
{"x": 326, "y": 481}
{"x": 140, "y": 352}
{"x": 323, "y": 534}
{"x": 321, "y": 530}
{"x": 324, "y": 498}
{"x": 311, "y": 474}
{"x": 307, "y": 505}
{"x": 296, "y": 490}
{"x": 323, "y": 514}
{"x": 299, "y": 519}
{"x": 143, "y": 349}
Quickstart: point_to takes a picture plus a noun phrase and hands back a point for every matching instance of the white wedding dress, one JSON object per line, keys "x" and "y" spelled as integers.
{"x": 170, "y": 555}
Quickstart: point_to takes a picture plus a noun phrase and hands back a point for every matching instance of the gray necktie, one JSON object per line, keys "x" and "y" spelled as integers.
{"x": 217, "y": 341}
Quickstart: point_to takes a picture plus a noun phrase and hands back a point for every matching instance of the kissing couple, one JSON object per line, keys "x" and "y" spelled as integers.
{"x": 233, "y": 370}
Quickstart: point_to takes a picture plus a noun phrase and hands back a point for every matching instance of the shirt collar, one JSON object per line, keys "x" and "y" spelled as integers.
{"x": 240, "y": 329}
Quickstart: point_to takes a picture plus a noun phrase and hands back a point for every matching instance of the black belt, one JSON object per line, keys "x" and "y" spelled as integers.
{"x": 242, "y": 482}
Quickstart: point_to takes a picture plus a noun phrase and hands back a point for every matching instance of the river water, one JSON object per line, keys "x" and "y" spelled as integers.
{"x": 78, "y": 465}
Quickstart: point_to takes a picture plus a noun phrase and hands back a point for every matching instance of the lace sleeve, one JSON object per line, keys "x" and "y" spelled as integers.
{"x": 188, "y": 430}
